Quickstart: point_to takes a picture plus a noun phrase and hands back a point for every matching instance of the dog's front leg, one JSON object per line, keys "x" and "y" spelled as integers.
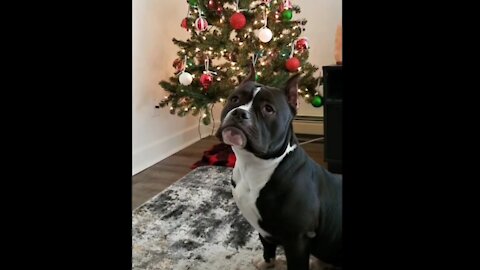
{"x": 269, "y": 253}
{"x": 297, "y": 252}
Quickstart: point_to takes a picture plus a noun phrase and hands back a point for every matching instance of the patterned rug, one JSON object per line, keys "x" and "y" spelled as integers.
{"x": 194, "y": 224}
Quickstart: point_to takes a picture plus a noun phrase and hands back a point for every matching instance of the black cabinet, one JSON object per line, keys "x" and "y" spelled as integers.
{"x": 333, "y": 98}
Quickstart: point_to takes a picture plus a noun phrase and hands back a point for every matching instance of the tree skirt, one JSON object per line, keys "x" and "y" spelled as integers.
{"x": 194, "y": 224}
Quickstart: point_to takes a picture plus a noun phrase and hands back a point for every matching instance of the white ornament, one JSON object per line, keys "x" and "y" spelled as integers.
{"x": 185, "y": 78}
{"x": 265, "y": 35}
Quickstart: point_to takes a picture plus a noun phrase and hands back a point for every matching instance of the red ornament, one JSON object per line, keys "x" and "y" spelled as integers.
{"x": 219, "y": 10}
{"x": 301, "y": 44}
{"x": 178, "y": 64}
{"x": 184, "y": 23}
{"x": 238, "y": 21}
{"x": 206, "y": 80}
{"x": 292, "y": 64}
{"x": 285, "y": 5}
{"x": 201, "y": 24}
{"x": 212, "y": 5}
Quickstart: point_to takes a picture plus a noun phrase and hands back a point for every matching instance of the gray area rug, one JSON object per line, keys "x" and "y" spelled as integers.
{"x": 194, "y": 224}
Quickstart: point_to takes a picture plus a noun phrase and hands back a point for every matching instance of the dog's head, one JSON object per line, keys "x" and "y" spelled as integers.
{"x": 257, "y": 118}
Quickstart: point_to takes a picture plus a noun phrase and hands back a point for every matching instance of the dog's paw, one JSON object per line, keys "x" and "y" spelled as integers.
{"x": 274, "y": 264}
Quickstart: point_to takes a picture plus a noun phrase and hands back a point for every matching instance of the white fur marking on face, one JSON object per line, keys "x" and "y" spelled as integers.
{"x": 250, "y": 175}
{"x": 247, "y": 106}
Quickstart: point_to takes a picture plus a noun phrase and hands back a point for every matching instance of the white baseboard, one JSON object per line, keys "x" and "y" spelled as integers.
{"x": 157, "y": 151}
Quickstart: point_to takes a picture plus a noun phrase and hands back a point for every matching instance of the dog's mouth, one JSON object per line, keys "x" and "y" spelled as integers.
{"x": 234, "y": 136}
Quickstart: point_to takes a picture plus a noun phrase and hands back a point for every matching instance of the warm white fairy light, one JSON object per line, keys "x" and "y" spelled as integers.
{"x": 245, "y": 35}
{"x": 210, "y": 48}
{"x": 197, "y": 49}
{"x": 219, "y": 79}
{"x": 186, "y": 109}
{"x": 222, "y": 100}
{"x": 218, "y": 68}
{"x": 204, "y": 38}
{"x": 281, "y": 35}
{"x": 242, "y": 74}
{"x": 276, "y": 16}
{"x": 204, "y": 115}
{"x": 183, "y": 50}
{"x": 255, "y": 22}
{"x": 194, "y": 108}
{"x": 307, "y": 95}
{"x": 259, "y": 73}
{"x": 240, "y": 43}
{"x": 165, "y": 97}
{"x": 250, "y": 30}
{"x": 293, "y": 34}
{"x": 261, "y": 46}
{"x": 171, "y": 108}
{"x": 233, "y": 63}
{"x": 262, "y": 63}
{"x": 300, "y": 91}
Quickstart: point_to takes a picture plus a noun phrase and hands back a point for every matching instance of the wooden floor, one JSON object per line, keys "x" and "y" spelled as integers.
{"x": 156, "y": 178}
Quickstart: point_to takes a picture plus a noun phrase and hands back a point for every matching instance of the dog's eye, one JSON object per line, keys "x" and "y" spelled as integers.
{"x": 268, "y": 109}
{"x": 234, "y": 99}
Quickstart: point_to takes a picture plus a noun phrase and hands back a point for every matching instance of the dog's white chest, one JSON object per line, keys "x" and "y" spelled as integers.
{"x": 245, "y": 197}
{"x": 250, "y": 176}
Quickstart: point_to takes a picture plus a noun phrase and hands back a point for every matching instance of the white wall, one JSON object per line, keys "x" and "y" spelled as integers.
{"x": 158, "y": 134}
{"x": 155, "y": 23}
{"x": 323, "y": 17}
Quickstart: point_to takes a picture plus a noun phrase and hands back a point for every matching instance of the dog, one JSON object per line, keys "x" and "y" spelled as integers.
{"x": 288, "y": 198}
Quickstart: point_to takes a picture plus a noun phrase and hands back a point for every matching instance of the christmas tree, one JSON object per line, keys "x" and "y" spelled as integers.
{"x": 226, "y": 38}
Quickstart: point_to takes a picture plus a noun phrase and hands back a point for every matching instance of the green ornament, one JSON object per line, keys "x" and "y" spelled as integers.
{"x": 285, "y": 53}
{"x": 206, "y": 120}
{"x": 193, "y": 2}
{"x": 287, "y": 15}
{"x": 190, "y": 63}
{"x": 317, "y": 101}
{"x": 256, "y": 77}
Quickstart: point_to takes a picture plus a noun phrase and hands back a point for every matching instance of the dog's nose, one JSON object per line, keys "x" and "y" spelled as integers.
{"x": 241, "y": 114}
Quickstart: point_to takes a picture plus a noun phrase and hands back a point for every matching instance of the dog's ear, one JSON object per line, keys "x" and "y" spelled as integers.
{"x": 291, "y": 91}
{"x": 251, "y": 74}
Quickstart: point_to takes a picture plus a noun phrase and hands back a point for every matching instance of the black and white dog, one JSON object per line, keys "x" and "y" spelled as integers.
{"x": 289, "y": 199}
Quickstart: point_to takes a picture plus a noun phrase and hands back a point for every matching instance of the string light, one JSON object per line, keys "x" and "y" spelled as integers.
{"x": 171, "y": 108}
{"x": 240, "y": 43}
{"x": 222, "y": 100}
{"x": 219, "y": 79}
{"x": 259, "y": 73}
{"x": 194, "y": 108}
{"x": 281, "y": 35}
{"x": 250, "y": 30}
{"x": 307, "y": 95}
{"x": 204, "y": 38}
{"x": 183, "y": 50}
{"x": 186, "y": 109}
{"x": 197, "y": 49}
{"x": 204, "y": 115}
